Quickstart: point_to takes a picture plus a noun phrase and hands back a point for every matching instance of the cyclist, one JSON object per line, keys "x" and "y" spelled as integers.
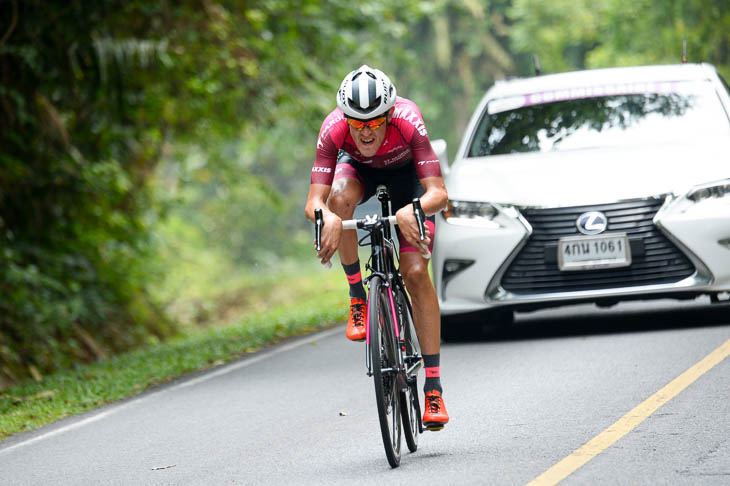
{"x": 375, "y": 137}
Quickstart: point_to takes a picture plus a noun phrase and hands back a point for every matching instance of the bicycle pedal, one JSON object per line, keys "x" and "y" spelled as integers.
{"x": 434, "y": 427}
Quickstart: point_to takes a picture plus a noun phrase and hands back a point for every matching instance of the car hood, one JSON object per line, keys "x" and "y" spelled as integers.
{"x": 584, "y": 177}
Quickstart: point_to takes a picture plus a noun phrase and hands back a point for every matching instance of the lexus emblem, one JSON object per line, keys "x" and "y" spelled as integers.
{"x": 592, "y": 223}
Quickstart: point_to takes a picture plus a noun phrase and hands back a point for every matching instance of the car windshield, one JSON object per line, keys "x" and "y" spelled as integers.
{"x": 528, "y": 123}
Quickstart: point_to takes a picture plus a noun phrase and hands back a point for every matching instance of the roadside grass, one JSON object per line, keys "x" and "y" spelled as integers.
{"x": 301, "y": 303}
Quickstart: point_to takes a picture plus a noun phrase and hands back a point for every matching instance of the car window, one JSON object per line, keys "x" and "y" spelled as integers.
{"x": 581, "y": 121}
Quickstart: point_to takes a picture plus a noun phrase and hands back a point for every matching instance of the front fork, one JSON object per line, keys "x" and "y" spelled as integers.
{"x": 406, "y": 369}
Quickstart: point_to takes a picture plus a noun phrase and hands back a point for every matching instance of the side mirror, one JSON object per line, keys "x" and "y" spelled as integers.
{"x": 439, "y": 146}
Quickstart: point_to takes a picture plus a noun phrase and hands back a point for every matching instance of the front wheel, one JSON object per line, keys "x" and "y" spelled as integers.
{"x": 385, "y": 364}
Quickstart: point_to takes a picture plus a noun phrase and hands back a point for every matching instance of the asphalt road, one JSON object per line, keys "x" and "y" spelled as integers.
{"x": 521, "y": 400}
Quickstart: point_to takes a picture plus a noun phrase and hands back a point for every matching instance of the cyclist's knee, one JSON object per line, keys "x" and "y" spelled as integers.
{"x": 342, "y": 200}
{"x": 415, "y": 274}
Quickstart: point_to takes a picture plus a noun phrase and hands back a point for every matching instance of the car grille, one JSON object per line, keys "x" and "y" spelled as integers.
{"x": 655, "y": 260}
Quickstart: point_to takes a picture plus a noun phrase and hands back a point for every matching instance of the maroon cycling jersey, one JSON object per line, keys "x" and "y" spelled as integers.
{"x": 406, "y": 141}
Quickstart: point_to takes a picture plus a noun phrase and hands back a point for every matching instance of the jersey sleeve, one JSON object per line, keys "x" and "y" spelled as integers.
{"x": 410, "y": 123}
{"x": 427, "y": 164}
{"x": 330, "y": 138}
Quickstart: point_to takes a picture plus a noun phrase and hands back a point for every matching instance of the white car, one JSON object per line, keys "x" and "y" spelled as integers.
{"x": 590, "y": 186}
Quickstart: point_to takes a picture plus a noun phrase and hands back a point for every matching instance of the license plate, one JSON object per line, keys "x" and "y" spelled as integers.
{"x": 594, "y": 252}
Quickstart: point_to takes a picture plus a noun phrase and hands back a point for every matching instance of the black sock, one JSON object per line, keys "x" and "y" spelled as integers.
{"x": 433, "y": 373}
{"x": 354, "y": 278}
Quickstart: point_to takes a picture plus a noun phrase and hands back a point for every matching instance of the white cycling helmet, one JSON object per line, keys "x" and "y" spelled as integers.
{"x": 366, "y": 93}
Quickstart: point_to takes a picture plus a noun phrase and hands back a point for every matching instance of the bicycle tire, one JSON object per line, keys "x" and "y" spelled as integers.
{"x": 383, "y": 349}
{"x": 410, "y": 406}
{"x": 411, "y": 416}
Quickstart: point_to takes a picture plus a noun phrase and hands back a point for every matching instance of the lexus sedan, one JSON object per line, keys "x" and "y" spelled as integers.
{"x": 591, "y": 186}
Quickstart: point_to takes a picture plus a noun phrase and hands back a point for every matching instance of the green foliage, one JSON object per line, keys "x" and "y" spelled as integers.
{"x": 75, "y": 256}
{"x": 141, "y": 138}
{"x": 445, "y": 57}
{"x": 242, "y": 191}
{"x": 227, "y": 95}
{"x": 603, "y": 33}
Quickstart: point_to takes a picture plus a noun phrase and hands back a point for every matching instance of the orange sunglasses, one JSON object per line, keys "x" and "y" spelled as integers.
{"x": 373, "y": 124}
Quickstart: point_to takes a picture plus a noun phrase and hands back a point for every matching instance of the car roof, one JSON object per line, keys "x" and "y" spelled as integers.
{"x": 597, "y": 77}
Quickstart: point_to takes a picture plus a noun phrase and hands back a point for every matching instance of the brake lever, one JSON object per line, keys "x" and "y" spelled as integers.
{"x": 318, "y": 225}
{"x": 418, "y": 213}
{"x": 420, "y": 219}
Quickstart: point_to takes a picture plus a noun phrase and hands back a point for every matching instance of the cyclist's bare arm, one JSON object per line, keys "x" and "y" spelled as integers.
{"x": 435, "y": 198}
{"x": 332, "y": 228}
{"x": 433, "y": 201}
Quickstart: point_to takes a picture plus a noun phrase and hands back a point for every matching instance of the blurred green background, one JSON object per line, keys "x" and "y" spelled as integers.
{"x": 155, "y": 155}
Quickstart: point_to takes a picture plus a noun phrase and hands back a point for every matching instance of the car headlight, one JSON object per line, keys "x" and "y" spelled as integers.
{"x": 469, "y": 213}
{"x": 713, "y": 189}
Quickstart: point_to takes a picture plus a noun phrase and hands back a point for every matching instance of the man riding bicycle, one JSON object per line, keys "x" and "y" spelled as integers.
{"x": 374, "y": 137}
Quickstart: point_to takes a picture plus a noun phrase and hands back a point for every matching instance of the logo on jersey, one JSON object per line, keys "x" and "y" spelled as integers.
{"x": 424, "y": 162}
{"x": 322, "y": 169}
{"x": 326, "y": 130}
{"x": 397, "y": 158}
{"x": 411, "y": 117}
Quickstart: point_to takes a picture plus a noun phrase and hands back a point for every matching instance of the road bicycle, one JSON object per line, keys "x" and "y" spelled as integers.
{"x": 392, "y": 352}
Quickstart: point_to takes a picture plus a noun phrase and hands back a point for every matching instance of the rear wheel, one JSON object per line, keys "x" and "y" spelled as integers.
{"x": 411, "y": 415}
{"x": 384, "y": 362}
{"x": 410, "y": 406}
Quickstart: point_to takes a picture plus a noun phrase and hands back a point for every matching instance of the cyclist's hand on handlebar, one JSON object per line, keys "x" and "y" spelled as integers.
{"x": 409, "y": 229}
{"x": 331, "y": 234}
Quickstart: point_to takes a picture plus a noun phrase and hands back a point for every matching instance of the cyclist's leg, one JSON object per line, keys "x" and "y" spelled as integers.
{"x": 414, "y": 269}
{"x": 353, "y": 184}
{"x": 348, "y": 189}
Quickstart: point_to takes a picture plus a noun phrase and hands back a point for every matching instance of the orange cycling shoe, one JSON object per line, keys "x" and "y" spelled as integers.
{"x": 435, "y": 416}
{"x": 356, "y": 325}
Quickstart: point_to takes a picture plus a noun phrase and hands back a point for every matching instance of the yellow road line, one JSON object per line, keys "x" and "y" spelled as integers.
{"x": 625, "y": 424}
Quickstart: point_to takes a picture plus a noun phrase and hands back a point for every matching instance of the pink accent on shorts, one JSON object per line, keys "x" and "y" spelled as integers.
{"x": 346, "y": 171}
{"x": 353, "y": 279}
{"x": 406, "y": 247}
{"x": 434, "y": 372}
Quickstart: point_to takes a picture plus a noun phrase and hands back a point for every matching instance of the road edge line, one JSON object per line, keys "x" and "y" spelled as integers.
{"x": 123, "y": 404}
